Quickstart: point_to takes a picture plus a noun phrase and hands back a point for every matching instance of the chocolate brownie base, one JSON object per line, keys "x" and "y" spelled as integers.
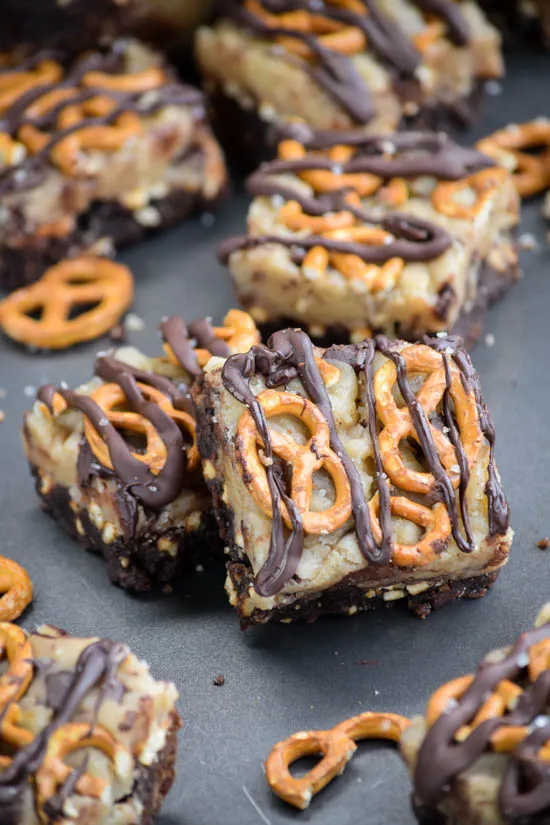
{"x": 348, "y": 598}
{"x": 105, "y": 219}
{"x": 154, "y": 783}
{"x": 248, "y": 140}
{"x": 493, "y": 285}
{"x": 137, "y": 566}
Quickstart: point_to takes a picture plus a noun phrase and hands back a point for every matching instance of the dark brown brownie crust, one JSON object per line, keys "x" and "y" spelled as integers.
{"x": 135, "y": 566}
{"x": 249, "y": 141}
{"x": 26, "y": 263}
{"x": 154, "y": 783}
{"x": 493, "y": 285}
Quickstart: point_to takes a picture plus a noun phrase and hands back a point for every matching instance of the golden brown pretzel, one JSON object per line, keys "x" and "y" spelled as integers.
{"x": 503, "y": 699}
{"x": 111, "y": 399}
{"x": 238, "y": 331}
{"x": 484, "y": 184}
{"x": 398, "y": 424}
{"x": 337, "y": 746}
{"x": 67, "y": 285}
{"x": 531, "y": 172}
{"x": 15, "y": 646}
{"x": 17, "y": 590}
{"x": 305, "y": 460}
{"x": 435, "y": 522}
{"x": 53, "y": 773}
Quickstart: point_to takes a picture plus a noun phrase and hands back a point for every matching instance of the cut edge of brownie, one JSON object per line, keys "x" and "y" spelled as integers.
{"x": 153, "y": 783}
{"x": 137, "y": 567}
{"x": 24, "y": 265}
{"x": 248, "y": 140}
{"x": 493, "y": 285}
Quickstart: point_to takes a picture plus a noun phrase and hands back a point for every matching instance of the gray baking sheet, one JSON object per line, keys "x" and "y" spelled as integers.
{"x": 281, "y": 678}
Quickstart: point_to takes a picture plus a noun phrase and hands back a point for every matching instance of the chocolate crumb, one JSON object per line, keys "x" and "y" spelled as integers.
{"x": 118, "y": 333}
{"x": 375, "y": 662}
{"x": 167, "y": 589}
{"x": 543, "y": 544}
{"x": 219, "y": 681}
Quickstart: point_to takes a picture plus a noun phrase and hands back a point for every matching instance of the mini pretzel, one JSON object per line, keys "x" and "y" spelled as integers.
{"x": 325, "y": 180}
{"x": 435, "y": 522}
{"x": 305, "y": 460}
{"x": 503, "y": 699}
{"x": 484, "y": 184}
{"x": 15, "y": 646}
{"x": 398, "y": 424}
{"x": 110, "y": 397}
{"x": 238, "y": 331}
{"x": 337, "y": 746}
{"x": 64, "y": 287}
{"x": 17, "y": 590}
{"x": 531, "y": 173}
{"x": 143, "y": 81}
{"x": 53, "y": 773}
{"x": 14, "y": 84}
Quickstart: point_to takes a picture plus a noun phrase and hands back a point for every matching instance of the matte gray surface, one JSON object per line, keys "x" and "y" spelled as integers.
{"x": 281, "y": 679}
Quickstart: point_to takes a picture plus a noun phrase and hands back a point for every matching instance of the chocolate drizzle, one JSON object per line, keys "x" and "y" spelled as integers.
{"x": 97, "y": 667}
{"x": 525, "y": 790}
{"x": 290, "y": 354}
{"x": 30, "y": 172}
{"x": 401, "y": 156}
{"x": 336, "y": 72}
{"x": 183, "y": 341}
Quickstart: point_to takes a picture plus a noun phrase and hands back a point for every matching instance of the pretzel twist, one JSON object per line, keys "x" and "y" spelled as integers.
{"x": 398, "y": 424}
{"x": 343, "y": 225}
{"x": 238, "y": 331}
{"x": 15, "y": 646}
{"x": 337, "y": 747}
{"x": 530, "y": 172}
{"x": 435, "y": 522}
{"x": 17, "y": 590}
{"x": 111, "y": 398}
{"x": 503, "y": 699}
{"x": 446, "y": 197}
{"x": 305, "y": 460}
{"x": 66, "y": 153}
{"x": 53, "y": 773}
{"x": 83, "y": 281}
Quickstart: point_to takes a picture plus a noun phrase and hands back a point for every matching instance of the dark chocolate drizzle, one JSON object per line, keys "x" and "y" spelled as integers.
{"x": 525, "y": 790}
{"x": 335, "y": 72}
{"x": 31, "y": 171}
{"x": 289, "y": 354}
{"x": 97, "y": 667}
{"x": 411, "y": 155}
{"x": 183, "y": 341}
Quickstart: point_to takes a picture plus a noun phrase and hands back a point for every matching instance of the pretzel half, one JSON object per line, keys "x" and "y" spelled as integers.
{"x": 87, "y": 281}
{"x": 514, "y": 147}
{"x": 336, "y": 745}
{"x": 16, "y": 589}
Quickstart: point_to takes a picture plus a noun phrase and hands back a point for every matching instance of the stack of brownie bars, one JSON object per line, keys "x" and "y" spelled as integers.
{"x": 330, "y": 436}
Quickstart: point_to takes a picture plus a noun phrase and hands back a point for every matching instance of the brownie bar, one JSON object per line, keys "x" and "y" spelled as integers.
{"x": 396, "y": 63}
{"x": 81, "y": 24}
{"x": 288, "y": 561}
{"x": 116, "y": 463}
{"x": 97, "y": 154}
{"x": 405, "y": 235}
{"x": 479, "y": 756}
{"x": 94, "y": 700}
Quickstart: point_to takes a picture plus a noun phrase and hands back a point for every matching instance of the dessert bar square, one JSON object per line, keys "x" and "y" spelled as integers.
{"x": 376, "y": 64}
{"x": 88, "y": 735}
{"x": 97, "y": 153}
{"x": 116, "y": 461}
{"x": 479, "y": 755}
{"x": 349, "y": 234}
{"x": 351, "y": 476}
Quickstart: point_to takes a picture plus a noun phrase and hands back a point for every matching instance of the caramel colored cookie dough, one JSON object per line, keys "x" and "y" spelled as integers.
{"x": 350, "y": 477}
{"x": 88, "y": 735}
{"x": 349, "y": 234}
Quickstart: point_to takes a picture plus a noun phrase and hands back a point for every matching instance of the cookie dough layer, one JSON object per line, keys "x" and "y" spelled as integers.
{"x": 462, "y": 211}
{"x": 88, "y": 705}
{"x": 97, "y": 155}
{"x": 329, "y": 570}
{"x": 407, "y": 69}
